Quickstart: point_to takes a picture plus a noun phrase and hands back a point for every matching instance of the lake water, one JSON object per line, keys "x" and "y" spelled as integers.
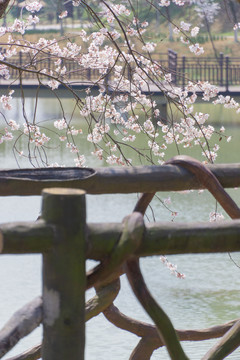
{"x": 208, "y": 296}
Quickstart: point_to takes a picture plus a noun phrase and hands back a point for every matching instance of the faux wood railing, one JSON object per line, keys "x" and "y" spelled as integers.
{"x": 66, "y": 241}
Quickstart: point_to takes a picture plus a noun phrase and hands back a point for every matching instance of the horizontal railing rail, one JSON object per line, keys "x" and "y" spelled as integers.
{"x": 160, "y": 238}
{"x": 103, "y": 180}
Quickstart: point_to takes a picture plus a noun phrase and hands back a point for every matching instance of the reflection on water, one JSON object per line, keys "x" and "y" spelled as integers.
{"x": 208, "y": 296}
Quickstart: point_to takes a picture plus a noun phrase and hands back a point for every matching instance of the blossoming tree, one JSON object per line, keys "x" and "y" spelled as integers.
{"x": 126, "y": 75}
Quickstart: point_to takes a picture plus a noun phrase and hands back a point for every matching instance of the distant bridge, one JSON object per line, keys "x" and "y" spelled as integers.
{"x": 223, "y": 71}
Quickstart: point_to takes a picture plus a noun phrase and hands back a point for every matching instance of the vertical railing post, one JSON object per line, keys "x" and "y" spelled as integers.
{"x": 49, "y": 63}
{"x": 20, "y": 58}
{"x": 106, "y": 82}
{"x": 89, "y": 74}
{"x": 183, "y": 71}
{"x": 64, "y": 275}
{"x": 172, "y": 65}
{"x": 227, "y": 73}
{"x": 221, "y": 63}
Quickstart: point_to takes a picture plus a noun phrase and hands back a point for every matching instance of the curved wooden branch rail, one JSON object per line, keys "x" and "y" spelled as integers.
{"x": 149, "y": 336}
{"x": 121, "y": 252}
{"x": 31, "y": 354}
{"x": 229, "y": 342}
{"x": 22, "y": 323}
{"x": 148, "y": 331}
{"x": 105, "y": 295}
{"x": 209, "y": 181}
{"x": 166, "y": 330}
{"x": 133, "y": 228}
{"x": 163, "y": 324}
{"x": 140, "y": 179}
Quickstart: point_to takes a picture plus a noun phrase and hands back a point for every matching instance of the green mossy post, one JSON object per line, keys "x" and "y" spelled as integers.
{"x": 64, "y": 275}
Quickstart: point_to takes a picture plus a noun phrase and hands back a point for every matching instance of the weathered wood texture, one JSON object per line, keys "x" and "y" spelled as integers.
{"x": 228, "y": 343}
{"x": 159, "y": 238}
{"x": 102, "y": 302}
{"x": 64, "y": 275}
{"x": 31, "y": 354}
{"x": 163, "y": 324}
{"x": 105, "y": 295}
{"x": 168, "y": 238}
{"x": 143, "y": 329}
{"x": 209, "y": 181}
{"x": 103, "y": 180}
{"x": 22, "y": 323}
{"x": 26, "y": 237}
{"x": 130, "y": 239}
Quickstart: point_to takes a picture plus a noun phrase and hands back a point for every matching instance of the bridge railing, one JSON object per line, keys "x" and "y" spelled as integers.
{"x": 223, "y": 71}
{"x": 67, "y": 241}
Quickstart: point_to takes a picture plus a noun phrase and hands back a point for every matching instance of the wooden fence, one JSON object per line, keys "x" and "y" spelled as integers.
{"x": 66, "y": 241}
{"x": 223, "y": 71}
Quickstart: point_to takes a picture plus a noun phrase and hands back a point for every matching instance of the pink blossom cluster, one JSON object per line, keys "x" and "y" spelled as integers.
{"x": 5, "y": 100}
{"x": 172, "y": 267}
{"x": 113, "y": 11}
{"x": 63, "y": 14}
{"x": 163, "y": 3}
{"x": 33, "y": 6}
{"x": 215, "y": 216}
